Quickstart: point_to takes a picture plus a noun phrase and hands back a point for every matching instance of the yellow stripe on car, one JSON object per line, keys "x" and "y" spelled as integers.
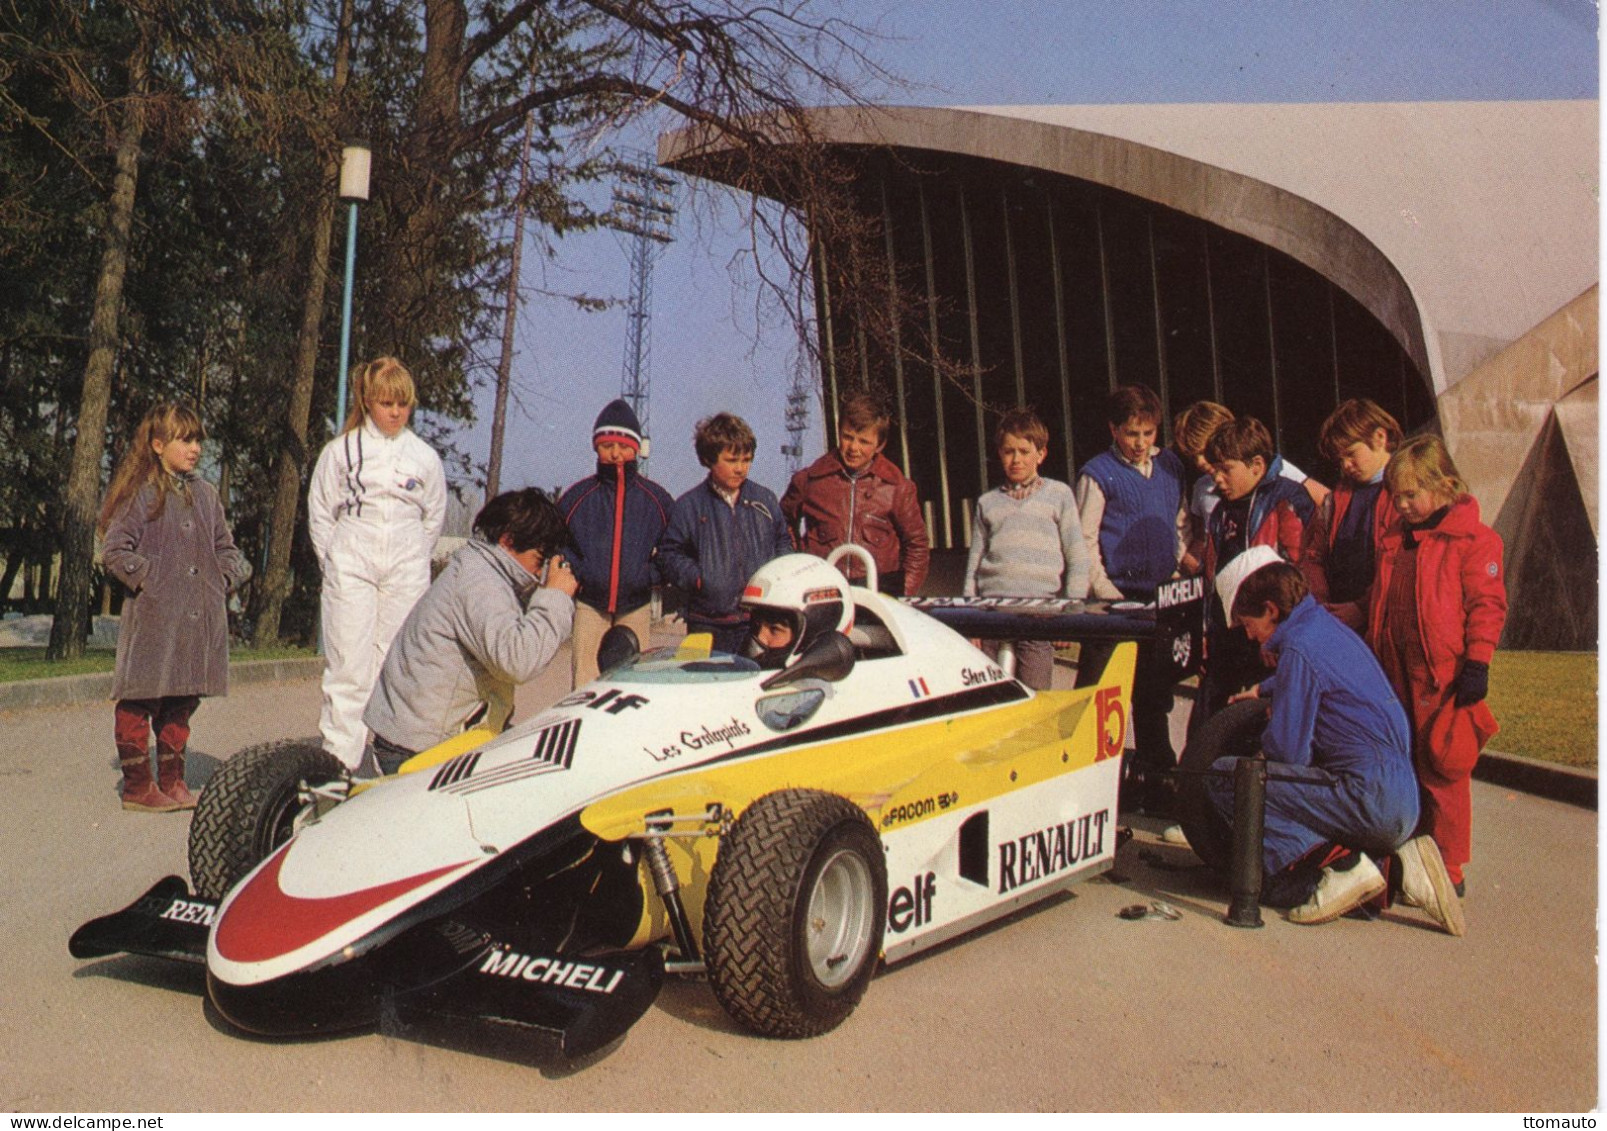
{"x": 890, "y": 774}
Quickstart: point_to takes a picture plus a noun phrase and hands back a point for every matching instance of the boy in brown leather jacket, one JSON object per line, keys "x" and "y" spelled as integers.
{"x": 856, "y": 494}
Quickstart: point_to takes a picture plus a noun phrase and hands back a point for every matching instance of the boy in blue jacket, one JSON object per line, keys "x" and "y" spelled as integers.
{"x": 721, "y": 531}
{"x": 616, "y": 518}
{"x": 1259, "y": 507}
{"x": 1341, "y": 792}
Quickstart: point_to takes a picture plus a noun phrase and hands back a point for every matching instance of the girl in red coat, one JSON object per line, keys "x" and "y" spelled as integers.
{"x": 1437, "y": 608}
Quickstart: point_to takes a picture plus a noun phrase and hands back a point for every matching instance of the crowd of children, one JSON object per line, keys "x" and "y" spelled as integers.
{"x": 1397, "y": 552}
{"x": 1367, "y": 615}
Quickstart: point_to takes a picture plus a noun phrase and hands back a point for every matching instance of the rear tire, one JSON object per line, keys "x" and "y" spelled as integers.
{"x": 1233, "y": 732}
{"x": 249, "y": 808}
{"x": 796, "y": 907}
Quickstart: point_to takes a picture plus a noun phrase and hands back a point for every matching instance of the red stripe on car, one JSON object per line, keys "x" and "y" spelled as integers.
{"x": 266, "y": 922}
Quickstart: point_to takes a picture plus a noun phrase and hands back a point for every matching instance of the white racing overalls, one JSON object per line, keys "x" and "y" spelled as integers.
{"x": 374, "y": 510}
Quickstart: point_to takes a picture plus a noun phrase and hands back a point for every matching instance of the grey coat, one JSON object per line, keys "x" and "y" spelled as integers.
{"x": 179, "y": 568}
{"x": 480, "y": 630}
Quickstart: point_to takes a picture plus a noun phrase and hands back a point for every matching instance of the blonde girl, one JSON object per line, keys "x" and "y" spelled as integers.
{"x": 1437, "y": 607}
{"x": 374, "y": 509}
{"x": 167, "y": 543}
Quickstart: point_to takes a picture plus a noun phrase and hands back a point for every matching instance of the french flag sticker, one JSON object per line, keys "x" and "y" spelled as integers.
{"x": 919, "y": 689}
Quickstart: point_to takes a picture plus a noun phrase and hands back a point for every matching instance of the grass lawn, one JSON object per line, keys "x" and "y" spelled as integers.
{"x": 1546, "y": 705}
{"x": 30, "y": 663}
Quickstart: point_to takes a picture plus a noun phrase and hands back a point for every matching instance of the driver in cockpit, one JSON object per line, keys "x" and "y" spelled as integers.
{"x": 792, "y": 601}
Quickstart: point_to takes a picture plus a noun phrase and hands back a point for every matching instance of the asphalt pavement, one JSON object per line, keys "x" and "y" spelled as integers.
{"x": 1066, "y": 1006}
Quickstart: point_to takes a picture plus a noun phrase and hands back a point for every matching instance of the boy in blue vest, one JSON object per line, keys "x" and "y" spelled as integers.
{"x": 1134, "y": 522}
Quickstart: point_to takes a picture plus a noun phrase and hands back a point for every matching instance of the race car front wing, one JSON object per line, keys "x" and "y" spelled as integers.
{"x": 573, "y": 1004}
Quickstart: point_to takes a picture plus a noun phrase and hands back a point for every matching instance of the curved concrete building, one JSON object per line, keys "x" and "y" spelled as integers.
{"x": 1440, "y": 258}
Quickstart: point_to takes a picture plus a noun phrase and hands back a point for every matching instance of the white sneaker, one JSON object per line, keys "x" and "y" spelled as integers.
{"x": 1425, "y": 883}
{"x": 1338, "y": 892}
{"x": 1174, "y": 834}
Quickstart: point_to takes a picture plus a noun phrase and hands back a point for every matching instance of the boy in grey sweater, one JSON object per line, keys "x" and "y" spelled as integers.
{"x": 492, "y": 620}
{"x": 1026, "y": 540}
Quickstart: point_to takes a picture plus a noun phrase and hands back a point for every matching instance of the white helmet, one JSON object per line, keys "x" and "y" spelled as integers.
{"x": 808, "y": 593}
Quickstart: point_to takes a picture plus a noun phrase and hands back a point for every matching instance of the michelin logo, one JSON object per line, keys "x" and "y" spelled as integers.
{"x": 552, "y": 972}
{"x": 1180, "y": 592}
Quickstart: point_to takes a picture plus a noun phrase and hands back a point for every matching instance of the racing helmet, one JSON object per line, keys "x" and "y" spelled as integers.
{"x": 805, "y": 592}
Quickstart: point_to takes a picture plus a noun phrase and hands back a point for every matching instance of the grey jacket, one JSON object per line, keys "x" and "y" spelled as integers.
{"x": 480, "y": 630}
{"x": 179, "y": 568}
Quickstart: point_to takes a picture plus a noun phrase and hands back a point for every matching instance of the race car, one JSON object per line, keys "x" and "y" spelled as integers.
{"x": 780, "y": 823}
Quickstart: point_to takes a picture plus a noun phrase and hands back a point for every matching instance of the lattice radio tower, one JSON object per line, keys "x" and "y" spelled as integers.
{"x": 643, "y": 209}
{"x": 799, "y": 394}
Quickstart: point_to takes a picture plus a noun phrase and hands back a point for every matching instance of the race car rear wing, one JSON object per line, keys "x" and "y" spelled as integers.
{"x": 1175, "y": 621}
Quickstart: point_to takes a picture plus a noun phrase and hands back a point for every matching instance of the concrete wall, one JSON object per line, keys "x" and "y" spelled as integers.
{"x": 1493, "y": 417}
{"x": 1522, "y": 429}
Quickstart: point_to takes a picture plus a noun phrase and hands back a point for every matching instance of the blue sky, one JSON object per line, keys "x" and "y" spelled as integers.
{"x": 1233, "y": 50}
{"x": 710, "y": 352}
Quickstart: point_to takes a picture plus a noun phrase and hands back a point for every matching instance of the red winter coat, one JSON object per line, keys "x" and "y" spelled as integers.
{"x": 879, "y": 511}
{"x": 1461, "y": 594}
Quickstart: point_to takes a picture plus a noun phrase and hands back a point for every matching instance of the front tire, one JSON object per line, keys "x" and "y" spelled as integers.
{"x": 796, "y": 908}
{"x": 249, "y": 809}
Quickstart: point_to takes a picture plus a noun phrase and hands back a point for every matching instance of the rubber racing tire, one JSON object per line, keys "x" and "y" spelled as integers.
{"x": 249, "y": 807}
{"x": 796, "y": 908}
{"x": 1233, "y": 732}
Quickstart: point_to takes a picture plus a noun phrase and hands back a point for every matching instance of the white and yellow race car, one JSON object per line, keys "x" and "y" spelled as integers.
{"x": 781, "y": 830}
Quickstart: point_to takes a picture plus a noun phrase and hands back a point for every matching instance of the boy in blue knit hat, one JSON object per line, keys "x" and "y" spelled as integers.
{"x": 1260, "y": 507}
{"x": 616, "y": 517}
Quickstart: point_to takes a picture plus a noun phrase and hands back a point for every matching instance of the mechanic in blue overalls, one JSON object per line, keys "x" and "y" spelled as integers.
{"x": 1343, "y": 792}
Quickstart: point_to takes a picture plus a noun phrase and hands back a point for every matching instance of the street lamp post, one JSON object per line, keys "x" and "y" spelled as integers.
{"x": 354, "y": 163}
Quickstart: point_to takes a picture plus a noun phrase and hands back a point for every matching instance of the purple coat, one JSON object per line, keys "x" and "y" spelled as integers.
{"x": 179, "y": 568}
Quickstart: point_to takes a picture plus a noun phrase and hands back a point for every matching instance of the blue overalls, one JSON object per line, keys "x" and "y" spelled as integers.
{"x": 1337, "y": 744}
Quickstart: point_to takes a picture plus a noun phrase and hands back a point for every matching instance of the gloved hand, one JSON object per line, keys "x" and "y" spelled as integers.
{"x": 1472, "y": 683}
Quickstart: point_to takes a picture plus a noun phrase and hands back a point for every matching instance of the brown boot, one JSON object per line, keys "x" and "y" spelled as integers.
{"x": 140, "y": 793}
{"x": 132, "y": 733}
{"x": 170, "y": 778}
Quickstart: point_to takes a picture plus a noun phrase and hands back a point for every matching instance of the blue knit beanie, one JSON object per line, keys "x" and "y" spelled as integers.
{"x": 618, "y": 422}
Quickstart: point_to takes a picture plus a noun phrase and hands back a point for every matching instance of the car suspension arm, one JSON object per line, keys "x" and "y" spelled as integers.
{"x": 668, "y": 886}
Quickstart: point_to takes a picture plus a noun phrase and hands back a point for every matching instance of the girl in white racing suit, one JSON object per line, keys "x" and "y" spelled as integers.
{"x": 375, "y": 509}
